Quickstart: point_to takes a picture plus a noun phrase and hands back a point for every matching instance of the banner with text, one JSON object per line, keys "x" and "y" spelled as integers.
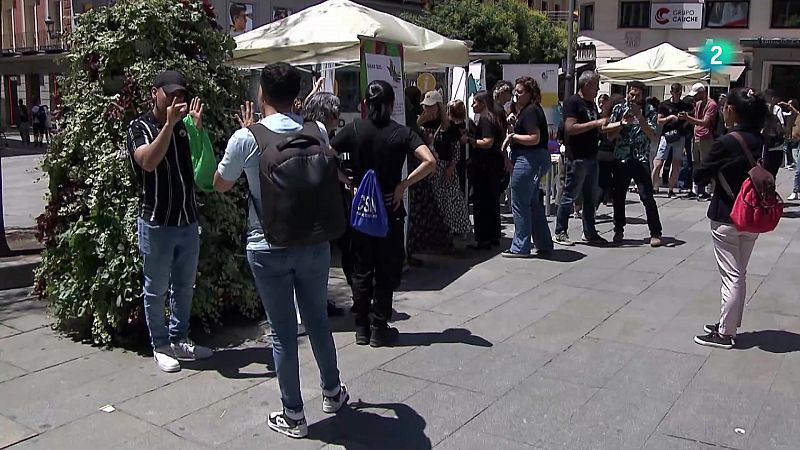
{"x": 683, "y": 16}
{"x": 547, "y": 77}
{"x": 383, "y": 61}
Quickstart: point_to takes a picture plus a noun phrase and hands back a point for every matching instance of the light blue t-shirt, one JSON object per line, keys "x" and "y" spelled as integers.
{"x": 242, "y": 154}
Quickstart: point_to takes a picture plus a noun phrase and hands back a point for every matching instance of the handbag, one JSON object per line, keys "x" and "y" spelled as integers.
{"x": 758, "y": 207}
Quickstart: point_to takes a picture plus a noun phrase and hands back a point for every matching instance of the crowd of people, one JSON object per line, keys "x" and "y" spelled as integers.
{"x": 609, "y": 143}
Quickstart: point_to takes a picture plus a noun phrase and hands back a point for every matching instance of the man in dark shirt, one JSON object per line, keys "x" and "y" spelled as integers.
{"x": 169, "y": 239}
{"x": 673, "y": 137}
{"x": 582, "y": 133}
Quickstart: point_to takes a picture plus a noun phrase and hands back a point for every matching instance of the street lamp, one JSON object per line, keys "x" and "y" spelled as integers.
{"x": 51, "y": 25}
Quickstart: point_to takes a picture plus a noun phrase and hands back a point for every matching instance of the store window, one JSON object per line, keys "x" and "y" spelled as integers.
{"x": 634, "y": 14}
{"x": 785, "y": 13}
{"x": 587, "y": 17}
{"x": 727, "y": 14}
{"x": 784, "y": 79}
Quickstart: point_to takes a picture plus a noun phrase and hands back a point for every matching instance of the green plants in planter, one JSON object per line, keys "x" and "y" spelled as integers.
{"x": 91, "y": 271}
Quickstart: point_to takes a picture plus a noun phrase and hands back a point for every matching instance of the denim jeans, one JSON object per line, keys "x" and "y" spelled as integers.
{"x": 280, "y": 274}
{"x": 639, "y": 172}
{"x": 529, "y": 217}
{"x": 582, "y": 176}
{"x": 169, "y": 256}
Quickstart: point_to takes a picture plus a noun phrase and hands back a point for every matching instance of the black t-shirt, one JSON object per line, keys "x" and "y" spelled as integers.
{"x": 488, "y": 156}
{"x": 586, "y": 144}
{"x": 381, "y": 148}
{"x": 530, "y": 120}
{"x": 668, "y": 108}
{"x": 443, "y": 139}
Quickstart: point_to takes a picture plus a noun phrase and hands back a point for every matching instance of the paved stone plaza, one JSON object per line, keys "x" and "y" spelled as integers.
{"x": 590, "y": 350}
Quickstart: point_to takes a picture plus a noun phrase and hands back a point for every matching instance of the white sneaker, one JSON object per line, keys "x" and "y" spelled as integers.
{"x": 188, "y": 350}
{"x": 165, "y": 361}
{"x": 793, "y": 196}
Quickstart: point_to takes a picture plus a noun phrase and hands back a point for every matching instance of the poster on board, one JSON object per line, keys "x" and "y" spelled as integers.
{"x": 280, "y": 13}
{"x": 381, "y": 60}
{"x": 241, "y": 16}
{"x": 547, "y": 77}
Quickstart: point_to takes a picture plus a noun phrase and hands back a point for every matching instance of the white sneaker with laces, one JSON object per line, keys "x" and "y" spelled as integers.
{"x": 165, "y": 360}
{"x": 188, "y": 350}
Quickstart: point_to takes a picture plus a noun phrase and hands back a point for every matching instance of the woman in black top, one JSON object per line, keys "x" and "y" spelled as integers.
{"x": 380, "y": 144}
{"x": 531, "y": 162}
{"x": 486, "y": 160}
{"x": 744, "y": 114}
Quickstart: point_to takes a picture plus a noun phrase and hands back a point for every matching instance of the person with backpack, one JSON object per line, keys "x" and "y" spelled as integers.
{"x": 704, "y": 120}
{"x": 730, "y": 163}
{"x": 378, "y": 148}
{"x": 169, "y": 237}
{"x": 39, "y": 124}
{"x": 295, "y": 209}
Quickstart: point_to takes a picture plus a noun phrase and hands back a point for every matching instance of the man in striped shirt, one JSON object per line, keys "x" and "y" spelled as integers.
{"x": 169, "y": 239}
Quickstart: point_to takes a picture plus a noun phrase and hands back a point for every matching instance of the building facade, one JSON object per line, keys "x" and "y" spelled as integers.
{"x": 32, "y": 39}
{"x": 765, "y": 34}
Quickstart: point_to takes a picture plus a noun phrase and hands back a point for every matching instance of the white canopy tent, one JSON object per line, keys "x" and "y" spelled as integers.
{"x": 661, "y": 65}
{"x": 328, "y": 33}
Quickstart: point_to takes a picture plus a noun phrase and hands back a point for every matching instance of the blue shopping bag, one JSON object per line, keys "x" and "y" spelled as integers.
{"x": 368, "y": 214}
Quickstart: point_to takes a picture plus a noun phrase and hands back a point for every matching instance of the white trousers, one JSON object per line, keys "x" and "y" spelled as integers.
{"x": 732, "y": 249}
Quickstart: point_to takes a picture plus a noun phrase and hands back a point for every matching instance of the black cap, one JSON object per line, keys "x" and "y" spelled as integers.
{"x": 170, "y": 81}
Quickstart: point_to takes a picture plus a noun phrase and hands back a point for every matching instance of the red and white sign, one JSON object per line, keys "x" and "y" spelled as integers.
{"x": 682, "y": 16}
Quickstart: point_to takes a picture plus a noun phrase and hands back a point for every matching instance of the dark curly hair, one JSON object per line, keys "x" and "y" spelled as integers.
{"x": 530, "y": 85}
{"x": 750, "y": 107}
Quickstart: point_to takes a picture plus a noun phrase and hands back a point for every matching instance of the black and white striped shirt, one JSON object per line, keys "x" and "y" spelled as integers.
{"x": 166, "y": 195}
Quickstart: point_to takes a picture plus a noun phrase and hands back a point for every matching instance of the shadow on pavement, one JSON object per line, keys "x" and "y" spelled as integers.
{"x": 772, "y": 341}
{"x": 356, "y": 428}
{"x": 563, "y": 255}
{"x": 449, "y": 336}
{"x": 227, "y": 362}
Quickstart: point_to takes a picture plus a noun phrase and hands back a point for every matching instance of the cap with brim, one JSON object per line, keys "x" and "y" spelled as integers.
{"x": 432, "y": 98}
{"x": 697, "y": 87}
{"x": 170, "y": 81}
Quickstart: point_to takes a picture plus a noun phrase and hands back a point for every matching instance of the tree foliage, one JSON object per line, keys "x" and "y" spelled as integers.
{"x": 91, "y": 270}
{"x": 498, "y": 26}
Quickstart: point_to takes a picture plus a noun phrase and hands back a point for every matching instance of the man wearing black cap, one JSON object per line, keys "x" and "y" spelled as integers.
{"x": 169, "y": 240}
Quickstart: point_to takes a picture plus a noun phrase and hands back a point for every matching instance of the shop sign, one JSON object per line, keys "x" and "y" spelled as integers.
{"x": 682, "y": 16}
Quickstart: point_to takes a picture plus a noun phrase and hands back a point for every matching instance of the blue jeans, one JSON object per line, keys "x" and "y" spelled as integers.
{"x": 169, "y": 256}
{"x": 529, "y": 218}
{"x": 280, "y": 274}
{"x": 582, "y": 175}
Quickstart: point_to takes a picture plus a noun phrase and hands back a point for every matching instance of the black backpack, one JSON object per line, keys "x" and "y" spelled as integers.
{"x": 301, "y": 202}
{"x": 41, "y": 115}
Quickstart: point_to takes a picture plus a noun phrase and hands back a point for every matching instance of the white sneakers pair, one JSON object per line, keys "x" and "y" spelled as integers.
{"x": 167, "y": 357}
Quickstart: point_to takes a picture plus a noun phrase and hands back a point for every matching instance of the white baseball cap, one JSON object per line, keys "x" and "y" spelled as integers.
{"x": 696, "y": 88}
{"x": 432, "y": 98}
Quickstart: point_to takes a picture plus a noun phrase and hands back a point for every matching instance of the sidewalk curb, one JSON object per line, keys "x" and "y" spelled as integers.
{"x": 17, "y": 271}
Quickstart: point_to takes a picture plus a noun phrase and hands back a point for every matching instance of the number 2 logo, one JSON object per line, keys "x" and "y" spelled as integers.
{"x": 716, "y": 55}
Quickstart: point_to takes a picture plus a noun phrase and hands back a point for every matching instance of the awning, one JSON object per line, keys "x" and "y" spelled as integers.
{"x": 735, "y": 72}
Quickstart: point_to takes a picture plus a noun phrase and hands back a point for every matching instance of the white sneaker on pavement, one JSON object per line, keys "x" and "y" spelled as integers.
{"x": 165, "y": 360}
{"x": 188, "y": 350}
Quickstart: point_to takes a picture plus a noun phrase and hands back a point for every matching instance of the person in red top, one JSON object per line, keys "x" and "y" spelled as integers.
{"x": 704, "y": 120}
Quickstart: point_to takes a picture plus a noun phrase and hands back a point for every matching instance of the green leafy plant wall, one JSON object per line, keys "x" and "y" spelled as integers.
{"x": 91, "y": 270}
